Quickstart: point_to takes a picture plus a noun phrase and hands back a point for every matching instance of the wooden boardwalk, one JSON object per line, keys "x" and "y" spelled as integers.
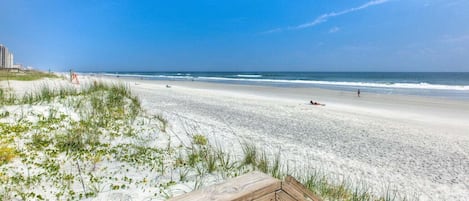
{"x": 254, "y": 186}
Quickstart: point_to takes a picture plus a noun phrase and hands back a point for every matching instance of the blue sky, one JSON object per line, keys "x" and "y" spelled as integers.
{"x": 241, "y": 35}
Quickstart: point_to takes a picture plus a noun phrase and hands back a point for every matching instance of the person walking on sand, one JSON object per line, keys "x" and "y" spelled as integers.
{"x": 358, "y": 93}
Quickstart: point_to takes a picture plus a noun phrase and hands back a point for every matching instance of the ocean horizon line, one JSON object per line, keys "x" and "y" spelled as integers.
{"x": 196, "y": 71}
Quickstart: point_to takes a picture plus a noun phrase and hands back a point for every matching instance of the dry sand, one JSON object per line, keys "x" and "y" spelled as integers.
{"x": 418, "y": 145}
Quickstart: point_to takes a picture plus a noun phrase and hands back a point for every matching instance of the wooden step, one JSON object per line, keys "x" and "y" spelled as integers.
{"x": 253, "y": 186}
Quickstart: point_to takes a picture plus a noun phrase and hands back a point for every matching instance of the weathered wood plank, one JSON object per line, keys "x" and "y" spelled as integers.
{"x": 282, "y": 196}
{"x": 268, "y": 197}
{"x": 294, "y": 193}
{"x": 298, "y": 190}
{"x": 246, "y": 187}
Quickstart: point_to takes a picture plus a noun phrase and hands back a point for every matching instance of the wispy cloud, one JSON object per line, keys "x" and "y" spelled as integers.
{"x": 456, "y": 39}
{"x": 324, "y": 17}
{"x": 334, "y": 29}
{"x": 272, "y": 31}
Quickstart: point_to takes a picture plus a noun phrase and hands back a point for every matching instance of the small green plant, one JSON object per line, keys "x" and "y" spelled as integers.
{"x": 211, "y": 161}
{"x": 194, "y": 158}
{"x": 199, "y": 140}
{"x": 7, "y": 98}
{"x": 39, "y": 141}
{"x": 46, "y": 94}
{"x": 4, "y": 114}
{"x": 71, "y": 142}
{"x": 225, "y": 160}
{"x": 262, "y": 163}
{"x": 250, "y": 154}
{"x": 19, "y": 127}
{"x": 95, "y": 159}
{"x": 183, "y": 173}
{"x": 163, "y": 122}
{"x": 275, "y": 169}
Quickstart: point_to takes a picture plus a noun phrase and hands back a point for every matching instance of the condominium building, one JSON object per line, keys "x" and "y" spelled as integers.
{"x": 6, "y": 57}
{"x": 3, "y": 50}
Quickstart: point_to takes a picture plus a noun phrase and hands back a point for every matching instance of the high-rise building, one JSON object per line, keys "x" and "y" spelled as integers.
{"x": 2, "y": 56}
{"x": 11, "y": 60}
{"x": 6, "y": 57}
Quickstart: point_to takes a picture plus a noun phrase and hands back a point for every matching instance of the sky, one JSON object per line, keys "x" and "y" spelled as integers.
{"x": 238, "y": 35}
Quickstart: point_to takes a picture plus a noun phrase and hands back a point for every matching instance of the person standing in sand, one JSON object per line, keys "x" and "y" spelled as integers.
{"x": 358, "y": 93}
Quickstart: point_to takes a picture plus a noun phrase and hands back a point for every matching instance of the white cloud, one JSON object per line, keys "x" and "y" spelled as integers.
{"x": 272, "y": 31}
{"x": 334, "y": 29}
{"x": 324, "y": 17}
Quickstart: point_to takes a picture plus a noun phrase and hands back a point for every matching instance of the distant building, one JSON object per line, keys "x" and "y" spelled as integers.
{"x": 3, "y": 52}
{"x": 6, "y": 57}
{"x": 19, "y": 66}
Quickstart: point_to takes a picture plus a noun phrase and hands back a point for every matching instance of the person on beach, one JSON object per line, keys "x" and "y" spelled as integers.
{"x": 358, "y": 93}
{"x": 315, "y": 103}
{"x": 75, "y": 78}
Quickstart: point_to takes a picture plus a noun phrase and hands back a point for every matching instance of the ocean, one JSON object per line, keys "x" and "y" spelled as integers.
{"x": 454, "y": 85}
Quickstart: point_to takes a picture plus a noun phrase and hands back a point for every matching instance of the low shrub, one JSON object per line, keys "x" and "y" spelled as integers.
{"x": 6, "y": 154}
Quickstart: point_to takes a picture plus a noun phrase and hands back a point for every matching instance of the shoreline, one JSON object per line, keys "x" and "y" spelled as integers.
{"x": 389, "y": 85}
{"x": 420, "y": 108}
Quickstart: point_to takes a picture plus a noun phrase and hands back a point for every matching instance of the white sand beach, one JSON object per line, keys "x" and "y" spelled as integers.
{"x": 418, "y": 145}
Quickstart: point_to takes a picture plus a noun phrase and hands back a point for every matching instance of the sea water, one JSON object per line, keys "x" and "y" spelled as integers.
{"x": 454, "y": 85}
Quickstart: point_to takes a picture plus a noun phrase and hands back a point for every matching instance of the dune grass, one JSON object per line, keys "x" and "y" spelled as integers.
{"x": 25, "y": 75}
{"x": 214, "y": 160}
{"x": 319, "y": 183}
{"x": 55, "y": 139}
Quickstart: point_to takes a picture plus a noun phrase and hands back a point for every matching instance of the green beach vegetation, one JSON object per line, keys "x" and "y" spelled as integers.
{"x": 98, "y": 137}
{"x": 27, "y": 75}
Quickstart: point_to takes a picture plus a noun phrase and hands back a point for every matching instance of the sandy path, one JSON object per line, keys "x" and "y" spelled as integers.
{"x": 423, "y": 146}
